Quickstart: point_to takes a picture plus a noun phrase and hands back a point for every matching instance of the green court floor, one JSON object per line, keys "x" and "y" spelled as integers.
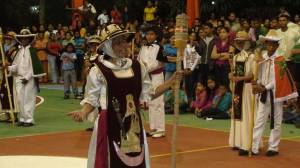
{"x": 51, "y": 117}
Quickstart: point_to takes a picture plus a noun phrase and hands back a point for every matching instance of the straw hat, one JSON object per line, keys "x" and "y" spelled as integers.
{"x": 25, "y": 33}
{"x": 242, "y": 41}
{"x": 10, "y": 35}
{"x": 242, "y": 36}
{"x": 272, "y": 35}
{"x": 94, "y": 39}
{"x": 112, "y": 31}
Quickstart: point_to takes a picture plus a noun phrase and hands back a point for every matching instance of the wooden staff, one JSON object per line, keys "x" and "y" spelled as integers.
{"x": 258, "y": 56}
{"x": 232, "y": 98}
{"x": 11, "y": 113}
{"x": 181, "y": 36}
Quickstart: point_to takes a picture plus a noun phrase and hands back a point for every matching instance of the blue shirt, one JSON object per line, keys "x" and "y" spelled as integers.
{"x": 78, "y": 43}
{"x": 170, "y": 51}
{"x": 225, "y": 102}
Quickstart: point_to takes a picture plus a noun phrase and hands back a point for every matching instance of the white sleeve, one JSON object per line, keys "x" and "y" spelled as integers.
{"x": 93, "y": 88}
{"x": 147, "y": 88}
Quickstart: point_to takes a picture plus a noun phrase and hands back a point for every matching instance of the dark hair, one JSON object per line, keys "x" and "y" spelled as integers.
{"x": 208, "y": 24}
{"x": 223, "y": 28}
{"x": 69, "y": 45}
{"x": 284, "y": 15}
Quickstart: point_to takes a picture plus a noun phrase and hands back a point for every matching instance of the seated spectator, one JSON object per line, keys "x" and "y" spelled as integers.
{"x": 201, "y": 98}
{"x": 170, "y": 101}
{"x": 212, "y": 87}
{"x": 220, "y": 106}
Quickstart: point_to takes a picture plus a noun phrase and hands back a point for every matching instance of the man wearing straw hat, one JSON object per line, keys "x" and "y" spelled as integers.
{"x": 10, "y": 48}
{"x": 243, "y": 68}
{"x": 274, "y": 86}
{"x": 25, "y": 68}
{"x": 116, "y": 85}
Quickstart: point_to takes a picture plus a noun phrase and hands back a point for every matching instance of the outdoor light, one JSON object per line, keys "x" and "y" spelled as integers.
{"x": 35, "y": 9}
{"x": 213, "y": 2}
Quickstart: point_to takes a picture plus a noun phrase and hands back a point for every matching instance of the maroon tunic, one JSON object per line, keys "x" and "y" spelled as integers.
{"x": 110, "y": 122}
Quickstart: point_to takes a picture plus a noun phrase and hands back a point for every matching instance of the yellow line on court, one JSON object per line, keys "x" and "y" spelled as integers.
{"x": 191, "y": 151}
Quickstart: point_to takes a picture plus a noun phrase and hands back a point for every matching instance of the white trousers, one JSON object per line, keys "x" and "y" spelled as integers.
{"x": 263, "y": 113}
{"x": 26, "y": 98}
{"x": 157, "y": 106}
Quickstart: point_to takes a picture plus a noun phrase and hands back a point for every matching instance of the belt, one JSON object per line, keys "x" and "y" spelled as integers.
{"x": 157, "y": 71}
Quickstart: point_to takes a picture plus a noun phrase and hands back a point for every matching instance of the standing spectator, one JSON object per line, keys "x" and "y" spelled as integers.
{"x": 115, "y": 15}
{"x": 149, "y": 12}
{"x": 40, "y": 45}
{"x": 103, "y": 18}
{"x": 91, "y": 29}
{"x": 289, "y": 37}
{"x": 171, "y": 52}
{"x": 88, "y": 10}
{"x": 191, "y": 50}
{"x": 221, "y": 53}
{"x": 125, "y": 15}
{"x": 68, "y": 39}
{"x": 68, "y": 58}
{"x": 79, "y": 48}
{"x": 296, "y": 58}
{"x": 274, "y": 23}
{"x": 205, "y": 66}
{"x": 235, "y": 25}
{"x": 53, "y": 47}
{"x": 197, "y": 26}
{"x": 82, "y": 30}
{"x": 247, "y": 28}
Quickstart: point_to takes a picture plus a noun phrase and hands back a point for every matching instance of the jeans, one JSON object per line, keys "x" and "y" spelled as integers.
{"x": 53, "y": 68}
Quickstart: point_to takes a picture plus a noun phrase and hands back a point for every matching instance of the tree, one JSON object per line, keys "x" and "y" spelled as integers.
{"x": 42, "y": 11}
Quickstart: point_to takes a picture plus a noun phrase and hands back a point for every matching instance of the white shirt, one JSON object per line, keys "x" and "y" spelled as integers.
{"x": 96, "y": 86}
{"x": 288, "y": 40}
{"x": 103, "y": 18}
{"x": 266, "y": 74}
{"x": 90, "y": 7}
{"x": 22, "y": 64}
{"x": 148, "y": 56}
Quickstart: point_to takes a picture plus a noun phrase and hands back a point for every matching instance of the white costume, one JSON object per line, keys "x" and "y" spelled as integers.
{"x": 21, "y": 68}
{"x": 240, "y": 130}
{"x": 148, "y": 56}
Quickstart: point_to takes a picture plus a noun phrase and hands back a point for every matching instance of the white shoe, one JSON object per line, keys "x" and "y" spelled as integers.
{"x": 158, "y": 135}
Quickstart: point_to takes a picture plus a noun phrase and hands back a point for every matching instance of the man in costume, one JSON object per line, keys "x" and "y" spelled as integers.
{"x": 9, "y": 51}
{"x": 274, "y": 86}
{"x": 243, "y": 65}
{"x": 151, "y": 55}
{"x": 25, "y": 69}
{"x": 116, "y": 85}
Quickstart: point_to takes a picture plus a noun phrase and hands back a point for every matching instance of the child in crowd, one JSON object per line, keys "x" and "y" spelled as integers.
{"x": 68, "y": 58}
{"x": 170, "y": 100}
{"x": 212, "y": 87}
{"x": 220, "y": 105}
{"x": 201, "y": 98}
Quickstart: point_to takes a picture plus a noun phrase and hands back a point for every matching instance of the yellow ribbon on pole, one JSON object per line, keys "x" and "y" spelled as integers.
{"x": 6, "y": 82}
{"x": 181, "y": 37}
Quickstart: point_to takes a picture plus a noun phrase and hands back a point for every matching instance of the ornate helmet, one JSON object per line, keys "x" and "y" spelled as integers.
{"x": 112, "y": 31}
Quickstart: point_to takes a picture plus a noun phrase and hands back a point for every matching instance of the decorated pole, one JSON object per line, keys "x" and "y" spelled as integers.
{"x": 181, "y": 37}
{"x": 258, "y": 56}
{"x": 233, "y": 98}
{"x": 6, "y": 82}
